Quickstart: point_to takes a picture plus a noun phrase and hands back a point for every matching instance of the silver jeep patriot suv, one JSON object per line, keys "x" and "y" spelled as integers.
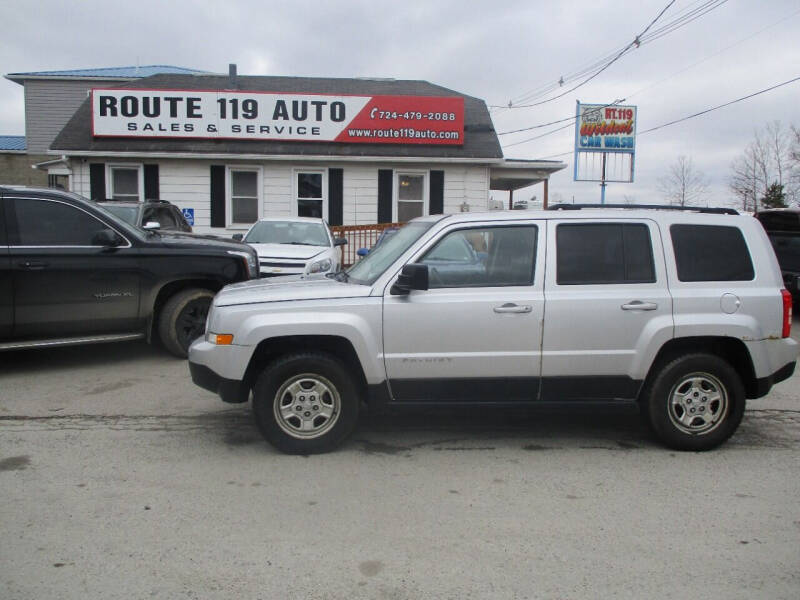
{"x": 681, "y": 311}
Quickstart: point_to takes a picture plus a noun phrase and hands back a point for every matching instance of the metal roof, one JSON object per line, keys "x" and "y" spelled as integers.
{"x": 14, "y": 143}
{"x": 134, "y": 72}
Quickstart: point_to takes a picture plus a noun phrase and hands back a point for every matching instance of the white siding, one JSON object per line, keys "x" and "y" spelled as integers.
{"x": 360, "y": 194}
{"x": 186, "y": 183}
{"x": 466, "y": 184}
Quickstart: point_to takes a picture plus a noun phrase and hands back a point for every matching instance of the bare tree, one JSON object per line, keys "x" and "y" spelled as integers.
{"x": 744, "y": 181}
{"x": 684, "y": 184}
{"x": 793, "y": 186}
{"x": 770, "y": 158}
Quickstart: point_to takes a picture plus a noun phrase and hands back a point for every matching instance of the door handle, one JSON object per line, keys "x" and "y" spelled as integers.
{"x": 32, "y": 265}
{"x": 639, "y": 305}
{"x": 510, "y": 307}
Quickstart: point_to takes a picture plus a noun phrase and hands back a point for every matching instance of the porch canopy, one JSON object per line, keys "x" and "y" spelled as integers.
{"x": 513, "y": 174}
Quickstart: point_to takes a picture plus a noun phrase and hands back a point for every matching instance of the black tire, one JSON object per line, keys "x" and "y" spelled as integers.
{"x": 695, "y": 402}
{"x": 286, "y": 384}
{"x": 183, "y": 319}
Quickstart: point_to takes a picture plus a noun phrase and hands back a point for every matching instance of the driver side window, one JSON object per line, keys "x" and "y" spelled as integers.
{"x": 50, "y": 223}
{"x": 483, "y": 257}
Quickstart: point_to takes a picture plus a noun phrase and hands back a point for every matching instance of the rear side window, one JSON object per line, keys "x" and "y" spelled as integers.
{"x": 711, "y": 253}
{"x": 603, "y": 253}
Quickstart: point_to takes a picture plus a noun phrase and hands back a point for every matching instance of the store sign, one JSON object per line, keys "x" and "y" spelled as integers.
{"x": 271, "y": 116}
{"x": 605, "y": 128}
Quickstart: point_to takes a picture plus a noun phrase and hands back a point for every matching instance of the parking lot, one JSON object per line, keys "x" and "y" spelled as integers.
{"x": 121, "y": 479}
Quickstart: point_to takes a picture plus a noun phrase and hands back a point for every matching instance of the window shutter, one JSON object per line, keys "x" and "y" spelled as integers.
{"x": 335, "y": 196}
{"x": 97, "y": 181}
{"x": 385, "y": 177}
{"x": 217, "y": 195}
{"x": 436, "y": 198}
{"x": 151, "y": 182}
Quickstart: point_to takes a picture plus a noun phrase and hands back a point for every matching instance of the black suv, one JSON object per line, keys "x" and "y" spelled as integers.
{"x": 151, "y": 214}
{"x": 72, "y": 272}
{"x": 783, "y": 228}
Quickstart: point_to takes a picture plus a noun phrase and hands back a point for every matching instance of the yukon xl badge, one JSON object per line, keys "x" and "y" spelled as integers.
{"x": 104, "y": 295}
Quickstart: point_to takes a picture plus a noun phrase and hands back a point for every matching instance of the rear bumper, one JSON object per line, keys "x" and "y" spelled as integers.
{"x": 230, "y": 390}
{"x": 764, "y": 384}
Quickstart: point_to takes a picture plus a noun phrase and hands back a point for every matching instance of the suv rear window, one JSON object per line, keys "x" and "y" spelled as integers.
{"x": 603, "y": 253}
{"x": 711, "y": 253}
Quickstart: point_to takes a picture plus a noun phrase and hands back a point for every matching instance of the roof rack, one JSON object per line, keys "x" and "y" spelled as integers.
{"x": 700, "y": 209}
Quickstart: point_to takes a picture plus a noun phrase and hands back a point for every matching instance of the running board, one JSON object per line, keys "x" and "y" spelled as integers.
{"x": 74, "y": 341}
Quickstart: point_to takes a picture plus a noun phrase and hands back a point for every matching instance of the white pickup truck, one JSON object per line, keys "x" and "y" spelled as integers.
{"x": 680, "y": 311}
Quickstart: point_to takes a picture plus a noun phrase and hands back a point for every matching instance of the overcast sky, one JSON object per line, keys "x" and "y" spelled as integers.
{"x": 497, "y": 51}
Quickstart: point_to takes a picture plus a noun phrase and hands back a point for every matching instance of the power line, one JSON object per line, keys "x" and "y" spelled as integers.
{"x": 618, "y": 101}
{"x": 635, "y": 42}
{"x": 546, "y": 133}
{"x": 606, "y": 62}
{"x": 710, "y": 56}
{"x": 572, "y": 118}
{"x": 681, "y": 20}
{"x": 702, "y": 112}
{"x": 708, "y": 110}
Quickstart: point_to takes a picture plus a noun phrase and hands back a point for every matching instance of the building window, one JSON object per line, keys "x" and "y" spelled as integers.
{"x": 244, "y": 196}
{"x": 310, "y": 194}
{"x": 412, "y": 196}
{"x": 125, "y": 182}
{"x": 59, "y": 182}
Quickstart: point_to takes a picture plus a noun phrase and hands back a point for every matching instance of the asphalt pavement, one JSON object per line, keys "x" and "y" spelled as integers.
{"x": 121, "y": 479}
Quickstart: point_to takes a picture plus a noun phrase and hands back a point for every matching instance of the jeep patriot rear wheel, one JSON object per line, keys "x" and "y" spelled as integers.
{"x": 695, "y": 402}
{"x": 306, "y": 403}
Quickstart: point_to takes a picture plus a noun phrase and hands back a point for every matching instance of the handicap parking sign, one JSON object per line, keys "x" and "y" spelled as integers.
{"x": 188, "y": 214}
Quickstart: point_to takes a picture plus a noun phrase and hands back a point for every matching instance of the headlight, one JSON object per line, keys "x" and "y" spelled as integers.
{"x": 320, "y": 266}
{"x": 250, "y": 259}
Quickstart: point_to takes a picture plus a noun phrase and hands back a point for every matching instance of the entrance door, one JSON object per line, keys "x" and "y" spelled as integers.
{"x": 475, "y": 335}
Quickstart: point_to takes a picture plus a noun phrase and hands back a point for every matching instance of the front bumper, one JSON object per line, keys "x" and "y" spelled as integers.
{"x": 230, "y": 390}
{"x": 220, "y": 369}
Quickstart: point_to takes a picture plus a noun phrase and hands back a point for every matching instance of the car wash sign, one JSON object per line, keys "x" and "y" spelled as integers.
{"x": 273, "y": 116}
{"x": 605, "y": 128}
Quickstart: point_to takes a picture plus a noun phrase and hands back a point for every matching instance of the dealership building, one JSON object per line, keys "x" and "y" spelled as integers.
{"x": 229, "y": 149}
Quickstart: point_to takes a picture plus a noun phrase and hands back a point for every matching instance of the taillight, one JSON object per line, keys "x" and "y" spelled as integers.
{"x": 787, "y": 313}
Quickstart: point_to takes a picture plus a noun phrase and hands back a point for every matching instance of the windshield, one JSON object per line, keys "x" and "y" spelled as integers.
{"x": 126, "y": 213}
{"x": 288, "y": 232}
{"x": 372, "y": 266}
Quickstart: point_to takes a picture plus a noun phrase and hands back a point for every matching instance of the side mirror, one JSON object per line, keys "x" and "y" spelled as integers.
{"x": 339, "y": 241}
{"x": 152, "y": 225}
{"x": 362, "y": 252}
{"x": 414, "y": 276}
{"x": 238, "y": 237}
{"x": 106, "y": 238}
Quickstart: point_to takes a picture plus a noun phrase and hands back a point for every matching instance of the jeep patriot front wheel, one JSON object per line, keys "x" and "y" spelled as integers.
{"x": 305, "y": 403}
